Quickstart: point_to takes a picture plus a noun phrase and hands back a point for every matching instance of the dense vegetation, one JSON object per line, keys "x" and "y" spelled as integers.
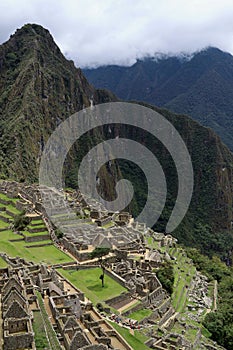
{"x": 166, "y": 276}
{"x": 21, "y": 221}
{"x": 205, "y": 224}
{"x": 220, "y": 322}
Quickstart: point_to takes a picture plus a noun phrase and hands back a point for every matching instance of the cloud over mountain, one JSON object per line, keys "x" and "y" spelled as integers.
{"x": 104, "y": 32}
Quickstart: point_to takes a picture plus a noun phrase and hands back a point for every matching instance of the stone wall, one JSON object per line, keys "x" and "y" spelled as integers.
{"x": 123, "y": 296}
{"x": 116, "y": 278}
{"x": 166, "y": 316}
{"x": 18, "y": 341}
{"x": 36, "y": 238}
{"x": 133, "y": 309}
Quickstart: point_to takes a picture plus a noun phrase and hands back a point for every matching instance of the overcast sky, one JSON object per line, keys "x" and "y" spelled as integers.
{"x": 97, "y": 32}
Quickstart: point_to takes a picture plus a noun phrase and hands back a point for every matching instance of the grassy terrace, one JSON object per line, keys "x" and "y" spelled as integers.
{"x": 37, "y": 222}
{"x": 88, "y": 281}
{"x": 45, "y": 241}
{"x": 13, "y": 209}
{"x": 31, "y": 234}
{"x": 49, "y": 254}
{"x": 140, "y": 315}
{"x": 5, "y": 215}
{"x": 3, "y": 224}
{"x": 39, "y": 330}
{"x": 135, "y": 339}
{"x": 132, "y": 306}
{"x": 184, "y": 273}
{"x": 52, "y": 338}
{"x": 41, "y": 226}
{"x": 13, "y": 200}
{"x": 109, "y": 224}
{"x": 3, "y": 264}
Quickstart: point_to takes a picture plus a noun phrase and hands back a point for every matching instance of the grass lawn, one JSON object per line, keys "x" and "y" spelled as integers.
{"x": 132, "y": 306}
{"x": 13, "y": 200}
{"x": 4, "y": 224}
{"x": 34, "y": 234}
{"x": 49, "y": 254}
{"x": 5, "y": 215}
{"x": 40, "y": 225}
{"x": 3, "y": 264}
{"x": 52, "y": 338}
{"x": 13, "y": 209}
{"x": 46, "y": 241}
{"x": 89, "y": 282}
{"x": 38, "y": 328}
{"x": 136, "y": 341}
{"x": 37, "y": 222}
{"x": 109, "y": 224}
{"x": 184, "y": 273}
{"x": 140, "y": 314}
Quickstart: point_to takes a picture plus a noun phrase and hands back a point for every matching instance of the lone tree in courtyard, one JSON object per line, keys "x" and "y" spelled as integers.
{"x": 99, "y": 252}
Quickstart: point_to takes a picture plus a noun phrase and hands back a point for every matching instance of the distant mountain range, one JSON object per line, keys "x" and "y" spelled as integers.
{"x": 200, "y": 86}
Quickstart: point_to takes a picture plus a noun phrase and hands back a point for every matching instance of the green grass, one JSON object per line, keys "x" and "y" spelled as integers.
{"x": 13, "y": 200}
{"x": 3, "y": 264}
{"x": 41, "y": 226}
{"x": 89, "y": 282}
{"x": 184, "y": 273}
{"x": 205, "y": 332}
{"x": 7, "y": 235}
{"x": 52, "y": 338}
{"x": 5, "y": 215}
{"x": 13, "y": 209}
{"x": 46, "y": 241}
{"x": 109, "y": 224}
{"x": 4, "y": 224}
{"x": 136, "y": 341}
{"x": 49, "y": 254}
{"x": 140, "y": 314}
{"x": 34, "y": 234}
{"x": 132, "y": 306}
{"x": 38, "y": 328}
{"x": 37, "y": 222}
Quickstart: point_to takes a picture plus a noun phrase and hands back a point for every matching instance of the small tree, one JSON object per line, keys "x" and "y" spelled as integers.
{"x": 58, "y": 233}
{"x": 166, "y": 276}
{"x": 99, "y": 252}
{"x": 21, "y": 221}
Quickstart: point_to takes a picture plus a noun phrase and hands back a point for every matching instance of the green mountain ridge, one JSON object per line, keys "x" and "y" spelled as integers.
{"x": 39, "y": 88}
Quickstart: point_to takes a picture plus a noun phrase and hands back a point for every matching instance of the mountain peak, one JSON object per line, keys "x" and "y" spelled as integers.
{"x": 32, "y": 30}
{"x": 213, "y": 51}
{"x": 31, "y": 35}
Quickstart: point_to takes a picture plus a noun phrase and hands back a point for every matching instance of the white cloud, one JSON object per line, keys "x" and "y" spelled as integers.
{"x": 118, "y": 31}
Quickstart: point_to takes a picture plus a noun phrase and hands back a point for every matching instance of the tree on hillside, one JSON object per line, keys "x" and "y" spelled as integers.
{"x": 99, "y": 252}
{"x": 21, "y": 221}
{"x": 166, "y": 276}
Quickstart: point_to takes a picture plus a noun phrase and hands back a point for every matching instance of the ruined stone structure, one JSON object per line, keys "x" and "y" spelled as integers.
{"x": 28, "y": 290}
{"x": 16, "y": 315}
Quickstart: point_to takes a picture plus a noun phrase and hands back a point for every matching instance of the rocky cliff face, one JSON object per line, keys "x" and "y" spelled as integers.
{"x": 39, "y": 88}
